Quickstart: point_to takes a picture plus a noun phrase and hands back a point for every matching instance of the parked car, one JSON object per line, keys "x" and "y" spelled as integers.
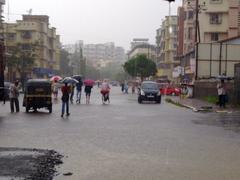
{"x": 149, "y": 91}
{"x": 174, "y": 91}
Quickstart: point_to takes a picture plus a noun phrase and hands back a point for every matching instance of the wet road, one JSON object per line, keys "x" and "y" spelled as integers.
{"x": 125, "y": 140}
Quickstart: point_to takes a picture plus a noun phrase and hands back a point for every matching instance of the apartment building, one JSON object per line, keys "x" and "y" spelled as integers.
{"x": 166, "y": 40}
{"x": 142, "y": 46}
{"x": 35, "y": 29}
{"x": 218, "y": 20}
{"x": 96, "y": 52}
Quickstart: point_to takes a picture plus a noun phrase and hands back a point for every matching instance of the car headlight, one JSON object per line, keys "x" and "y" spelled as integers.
{"x": 142, "y": 93}
{"x": 159, "y": 93}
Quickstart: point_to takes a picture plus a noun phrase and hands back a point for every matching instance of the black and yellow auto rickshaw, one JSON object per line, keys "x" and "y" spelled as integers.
{"x": 37, "y": 94}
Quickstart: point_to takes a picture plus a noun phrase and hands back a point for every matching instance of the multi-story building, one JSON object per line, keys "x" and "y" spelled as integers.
{"x": 142, "y": 46}
{"x": 218, "y": 20}
{"x": 34, "y": 29}
{"x": 97, "y": 52}
{"x": 166, "y": 40}
{"x": 120, "y": 55}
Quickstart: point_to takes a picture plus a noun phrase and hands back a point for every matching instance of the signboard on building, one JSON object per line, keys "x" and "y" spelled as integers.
{"x": 177, "y": 71}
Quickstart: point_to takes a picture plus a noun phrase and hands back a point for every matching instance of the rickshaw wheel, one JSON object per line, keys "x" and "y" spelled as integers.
{"x": 50, "y": 109}
{"x": 27, "y": 109}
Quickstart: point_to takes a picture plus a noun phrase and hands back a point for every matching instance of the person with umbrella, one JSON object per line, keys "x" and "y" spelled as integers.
{"x": 88, "y": 88}
{"x": 55, "y": 80}
{"x": 79, "y": 91}
{"x": 72, "y": 92}
{"x": 55, "y": 89}
{"x": 65, "y": 99}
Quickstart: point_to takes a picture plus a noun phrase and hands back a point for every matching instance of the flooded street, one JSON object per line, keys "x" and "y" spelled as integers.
{"x": 127, "y": 140}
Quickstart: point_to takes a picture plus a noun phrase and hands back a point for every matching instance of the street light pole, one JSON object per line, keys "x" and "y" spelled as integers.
{"x": 196, "y": 37}
{"x": 2, "y": 56}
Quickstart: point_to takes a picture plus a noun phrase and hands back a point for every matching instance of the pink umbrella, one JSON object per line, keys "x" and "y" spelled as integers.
{"x": 89, "y": 82}
{"x": 56, "y": 78}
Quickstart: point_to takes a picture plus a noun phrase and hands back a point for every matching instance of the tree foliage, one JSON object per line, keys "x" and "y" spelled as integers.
{"x": 21, "y": 58}
{"x": 140, "y": 66}
{"x": 65, "y": 68}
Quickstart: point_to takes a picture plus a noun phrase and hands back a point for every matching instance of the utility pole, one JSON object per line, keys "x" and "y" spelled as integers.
{"x": 196, "y": 37}
{"x": 2, "y": 53}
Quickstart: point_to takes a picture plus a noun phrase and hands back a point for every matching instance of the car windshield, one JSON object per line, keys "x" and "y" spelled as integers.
{"x": 149, "y": 86}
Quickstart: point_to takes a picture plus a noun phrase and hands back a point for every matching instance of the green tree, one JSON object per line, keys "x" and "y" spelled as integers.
{"x": 65, "y": 68}
{"x": 140, "y": 66}
{"x": 22, "y": 58}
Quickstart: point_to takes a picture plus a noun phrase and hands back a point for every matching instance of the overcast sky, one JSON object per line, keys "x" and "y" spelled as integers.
{"x": 97, "y": 21}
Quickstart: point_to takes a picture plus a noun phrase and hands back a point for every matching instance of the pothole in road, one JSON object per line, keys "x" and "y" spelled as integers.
{"x": 28, "y": 164}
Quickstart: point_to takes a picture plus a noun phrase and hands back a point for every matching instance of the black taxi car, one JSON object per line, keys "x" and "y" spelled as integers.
{"x": 149, "y": 91}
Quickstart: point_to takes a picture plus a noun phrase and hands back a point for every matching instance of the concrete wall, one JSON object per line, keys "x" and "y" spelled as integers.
{"x": 209, "y": 88}
{"x": 237, "y": 83}
{"x": 209, "y": 59}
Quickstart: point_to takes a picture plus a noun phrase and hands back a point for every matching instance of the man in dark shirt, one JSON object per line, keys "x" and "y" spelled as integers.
{"x": 65, "y": 99}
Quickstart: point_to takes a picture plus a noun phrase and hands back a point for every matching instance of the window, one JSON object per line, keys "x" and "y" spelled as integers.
{"x": 26, "y": 35}
{"x": 215, "y": 1}
{"x": 214, "y": 36}
{"x": 190, "y": 14}
{"x": 215, "y": 18}
{"x": 11, "y": 36}
{"x": 26, "y": 47}
{"x": 190, "y": 32}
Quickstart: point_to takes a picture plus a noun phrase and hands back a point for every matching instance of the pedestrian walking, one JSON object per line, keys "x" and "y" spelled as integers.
{"x": 65, "y": 99}
{"x": 13, "y": 95}
{"x": 126, "y": 88}
{"x": 222, "y": 94}
{"x": 79, "y": 91}
{"x": 72, "y": 92}
{"x": 122, "y": 87}
{"x": 55, "y": 90}
{"x": 133, "y": 88}
{"x": 88, "y": 90}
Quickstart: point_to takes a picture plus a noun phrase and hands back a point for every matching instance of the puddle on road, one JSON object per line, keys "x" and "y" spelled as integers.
{"x": 20, "y": 163}
{"x": 227, "y": 121}
{"x": 19, "y": 153}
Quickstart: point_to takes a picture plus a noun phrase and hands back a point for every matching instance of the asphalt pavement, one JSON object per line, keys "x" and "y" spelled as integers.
{"x": 127, "y": 140}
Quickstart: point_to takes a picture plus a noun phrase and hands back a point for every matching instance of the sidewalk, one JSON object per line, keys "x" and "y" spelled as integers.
{"x": 198, "y": 105}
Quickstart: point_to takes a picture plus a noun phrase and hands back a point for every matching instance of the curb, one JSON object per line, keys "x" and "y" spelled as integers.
{"x": 194, "y": 109}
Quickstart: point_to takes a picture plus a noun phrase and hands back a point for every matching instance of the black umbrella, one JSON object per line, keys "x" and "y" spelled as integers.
{"x": 69, "y": 80}
{"x": 77, "y": 77}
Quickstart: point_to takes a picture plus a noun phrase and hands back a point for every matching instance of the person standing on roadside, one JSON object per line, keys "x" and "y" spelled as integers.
{"x": 65, "y": 99}
{"x": 13, "y": 95}
{"x": 221, "y": 88}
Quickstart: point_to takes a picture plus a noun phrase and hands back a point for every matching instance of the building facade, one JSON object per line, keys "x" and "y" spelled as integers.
{"x": 218, "y": 20}
{"x": 106, "y": 52}
{"x": 142, "y": 46}
{"x": 34, "y": 29}
{"x": 166, "y": 40}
